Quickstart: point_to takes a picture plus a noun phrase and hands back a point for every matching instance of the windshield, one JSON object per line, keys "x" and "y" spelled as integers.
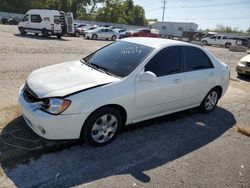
{"x": 119, "y": 58}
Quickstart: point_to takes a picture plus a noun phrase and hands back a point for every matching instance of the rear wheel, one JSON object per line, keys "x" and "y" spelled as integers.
{"x": 59, "y": 36}
{"x": 113, "y": 38}
{"x": 77, "y": 34}
{"x": 94, "y": 37}
{"x": 45, "y": 33}
{"x": 227, "y": 45}
{"x": 102, "y": 126}
{"x": 210, "y": 101}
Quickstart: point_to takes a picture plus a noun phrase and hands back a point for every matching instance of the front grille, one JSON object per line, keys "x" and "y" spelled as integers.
{"x": 29, "y": 95}
{"x": 248, "y": 64}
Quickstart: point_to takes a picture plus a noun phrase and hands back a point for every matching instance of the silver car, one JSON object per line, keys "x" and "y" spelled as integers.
{"x": 102, "y": 33}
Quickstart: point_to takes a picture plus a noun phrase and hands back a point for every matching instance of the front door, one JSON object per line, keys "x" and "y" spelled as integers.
{"x": 165, "y": 94}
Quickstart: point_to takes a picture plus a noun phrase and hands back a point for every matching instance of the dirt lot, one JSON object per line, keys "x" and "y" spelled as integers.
{"x": 186, "y": 149}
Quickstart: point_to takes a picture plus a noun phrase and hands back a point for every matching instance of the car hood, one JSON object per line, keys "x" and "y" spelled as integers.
{"x": 246, "y": 58}
{"x": 66, "y": 78}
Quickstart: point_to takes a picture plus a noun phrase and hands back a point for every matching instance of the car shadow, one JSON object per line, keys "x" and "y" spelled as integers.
{"x": 39, "y": 37}
{"x": 244, "y": 77}
{"x": 142, "y": 146}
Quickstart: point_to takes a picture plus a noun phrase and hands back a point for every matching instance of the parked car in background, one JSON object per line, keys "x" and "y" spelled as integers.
{"x": 243, "y": 67}
{"x": 120, "y": 31}
{"x": 4, "y": 20}
{"x": 146, "y": 33}
{"x": 115, "y": 27}
{"x": 220, "y": 40}
{"x": 87, "y": 29}
{"x": 128, "y": 81}
{"x": 47, "y": 23}
{"x": 79, "y": 29}
{"x": 102, "y": 33}
{"x": 242, "y": 41}
{"x": 13, "y": 21}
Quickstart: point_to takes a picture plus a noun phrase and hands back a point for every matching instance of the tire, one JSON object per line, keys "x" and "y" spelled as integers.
{"x": 36, "y": 34}
{"x": 113, "y": 38}
{"x": 77, "y": 34}
{"x": 22, "y": 31}
{"x": 45, "y": 33}
{"x": 102, "y": 126}
{"x": 94, "y": 37}
{"x": 204, "y": 42}
{"x": 227, "y": 45}
{"x": 210, "y": 101}
{"x": 59, "y": 36}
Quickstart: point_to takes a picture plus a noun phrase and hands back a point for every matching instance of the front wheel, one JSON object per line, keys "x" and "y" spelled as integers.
{"x": 102, "y": 126}
{"x": 210, "y": 101}
{"x": 204, "y": 42}
{"x": 22, "y": 31}
{"x": 94, "y": 37}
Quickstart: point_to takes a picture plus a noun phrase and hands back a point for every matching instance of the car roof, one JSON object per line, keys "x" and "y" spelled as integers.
{"x": 155, "y": 42}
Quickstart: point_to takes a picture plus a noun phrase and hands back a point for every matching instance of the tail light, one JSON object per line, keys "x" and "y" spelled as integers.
{"x": 52, "y": 27}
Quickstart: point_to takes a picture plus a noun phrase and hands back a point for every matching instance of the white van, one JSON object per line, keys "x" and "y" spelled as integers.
{"x": 47, "y": 23}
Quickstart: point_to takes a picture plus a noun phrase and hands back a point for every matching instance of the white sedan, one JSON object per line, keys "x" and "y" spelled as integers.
{"x": 102, "y": 33}
{"x": 128, "y": 81}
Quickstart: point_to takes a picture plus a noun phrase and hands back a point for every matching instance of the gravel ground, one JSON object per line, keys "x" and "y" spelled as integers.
{"x": 186, "y": 149}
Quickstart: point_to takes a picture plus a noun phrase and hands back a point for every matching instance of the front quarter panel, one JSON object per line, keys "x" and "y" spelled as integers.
{"x": 119, "y": 93}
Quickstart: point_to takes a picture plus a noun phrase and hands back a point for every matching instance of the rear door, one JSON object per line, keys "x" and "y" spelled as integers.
{"x": 199, "y": 75}
{"x": 70, "y": 23}
{"x": 57, "y": 24}
{"x": 102, "y": 33}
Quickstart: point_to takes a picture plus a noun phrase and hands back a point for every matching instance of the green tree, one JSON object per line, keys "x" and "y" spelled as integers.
{"x": 248, "y": 30}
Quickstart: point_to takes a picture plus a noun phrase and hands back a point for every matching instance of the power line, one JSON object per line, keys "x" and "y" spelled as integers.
{"x": 212, "y": 5}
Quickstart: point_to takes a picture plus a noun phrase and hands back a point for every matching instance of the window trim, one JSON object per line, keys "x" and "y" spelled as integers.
{"x": 184, "y": 59}
{"x": 27, "y": 19}
{"x": 36, "y": 21}
{"x": 181, "y": 61}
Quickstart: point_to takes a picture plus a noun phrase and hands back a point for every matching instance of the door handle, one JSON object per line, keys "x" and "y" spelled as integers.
{"x": 211, "y": 74}
{"x": 176, "y": 81}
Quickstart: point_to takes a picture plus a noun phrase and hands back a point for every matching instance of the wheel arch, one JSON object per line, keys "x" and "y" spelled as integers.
{"x": 120, "y": 108}
{"x": 219, "y": 88}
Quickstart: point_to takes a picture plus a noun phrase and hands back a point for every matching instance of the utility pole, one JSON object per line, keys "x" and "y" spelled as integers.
{"x": 164, "y": 8}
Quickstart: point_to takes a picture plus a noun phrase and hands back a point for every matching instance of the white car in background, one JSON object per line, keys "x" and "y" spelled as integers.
{"x": 128, "y": 81}
{"x": 102, "y": 33}
{"x": 220, "y": 40}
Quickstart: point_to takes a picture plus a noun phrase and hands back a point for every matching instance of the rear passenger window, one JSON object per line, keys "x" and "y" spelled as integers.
{"x": 167, "y": 61}
{"x": 196, "y": 59}
{"x": 36, "y": 18}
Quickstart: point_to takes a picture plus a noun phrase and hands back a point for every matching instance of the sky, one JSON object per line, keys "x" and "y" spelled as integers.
{"x": 206, "y": 13}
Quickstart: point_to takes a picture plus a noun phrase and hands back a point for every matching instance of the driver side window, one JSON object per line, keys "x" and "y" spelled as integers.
{"x": 166, "y": 62}
{"x": 26, "y": 18}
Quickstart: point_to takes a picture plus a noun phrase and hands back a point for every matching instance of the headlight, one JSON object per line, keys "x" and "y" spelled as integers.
{"x": 242, "y": 62}
{"x": 55, "y": 105}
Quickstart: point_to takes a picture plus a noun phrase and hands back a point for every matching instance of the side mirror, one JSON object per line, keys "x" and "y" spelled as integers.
{"x": 148, "y": 77}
